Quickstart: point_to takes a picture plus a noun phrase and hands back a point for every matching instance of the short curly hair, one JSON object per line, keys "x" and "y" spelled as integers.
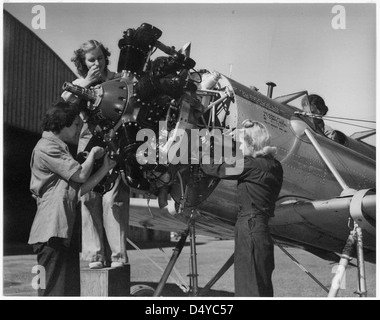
{"x": 60, "y": 115}
{"x": 319, "y": 103}
{"x": 79, "y": 57}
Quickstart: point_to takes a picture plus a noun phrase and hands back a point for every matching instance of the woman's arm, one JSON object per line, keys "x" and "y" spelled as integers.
{"x": 108, "y": 164}
{"x": 84, "y": 173}
{"x": 91, "y": 77}
{"x": 226, "y": 171}
{"x": 233, "y": 170}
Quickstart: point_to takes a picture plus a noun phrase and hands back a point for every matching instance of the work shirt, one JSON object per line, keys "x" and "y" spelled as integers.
{"x": 258, "y": 186}
{"x": 52, "y": 166}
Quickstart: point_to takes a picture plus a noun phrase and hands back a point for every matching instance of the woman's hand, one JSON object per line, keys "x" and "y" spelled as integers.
{"x": 98, "y": 152}
{"x": 108, "y": 163}
{"x": 94, "y": 75}
{"x": 230, "y": 133}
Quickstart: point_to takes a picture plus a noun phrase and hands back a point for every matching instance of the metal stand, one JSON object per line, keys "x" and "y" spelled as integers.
{"x": 355, "y": 238}
{"x": 362, "y": 286}
{"x": 193, "y": 259}
{"x": 176, "y": 252}
{"x": 193, "y": 275}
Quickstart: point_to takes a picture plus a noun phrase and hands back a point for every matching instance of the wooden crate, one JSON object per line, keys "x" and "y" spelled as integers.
{"x": 106, "y": 282}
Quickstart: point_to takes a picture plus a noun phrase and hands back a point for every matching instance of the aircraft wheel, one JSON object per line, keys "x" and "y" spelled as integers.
{"x": 141, "y": 290}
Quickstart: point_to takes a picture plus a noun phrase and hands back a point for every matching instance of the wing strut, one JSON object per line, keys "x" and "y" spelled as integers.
{"x": 355, "y": 237}
{"x": 327, "y": 161}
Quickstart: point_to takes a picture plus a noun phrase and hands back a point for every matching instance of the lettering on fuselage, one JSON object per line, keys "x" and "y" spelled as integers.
{"x": 255, "y": 99}
{"x": 272, "y": 114}
{"x": 274, "y": 121}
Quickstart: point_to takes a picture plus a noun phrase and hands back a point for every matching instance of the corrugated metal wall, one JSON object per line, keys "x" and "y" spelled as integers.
{"x": 33, "y": 76}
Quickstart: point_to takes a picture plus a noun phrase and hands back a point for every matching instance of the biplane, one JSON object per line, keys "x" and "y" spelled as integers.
{"x": 327, "y": 202}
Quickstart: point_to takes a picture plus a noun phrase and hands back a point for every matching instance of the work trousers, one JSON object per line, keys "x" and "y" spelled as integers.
{"x": 105, "y": 219}
{"x": 61, "y": 266}
{"x": 105, "y": 224}
{"x": 254, "y": 256}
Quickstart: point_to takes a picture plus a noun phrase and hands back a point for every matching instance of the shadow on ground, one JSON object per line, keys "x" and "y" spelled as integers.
{"x": 172, "y": 290}
{"x": 16, "y": 249}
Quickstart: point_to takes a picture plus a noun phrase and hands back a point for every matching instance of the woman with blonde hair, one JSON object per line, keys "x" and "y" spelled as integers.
{"x": 258, "y": 187}
{"x": 104, "y": 217}
{"x": 91, "y": 61}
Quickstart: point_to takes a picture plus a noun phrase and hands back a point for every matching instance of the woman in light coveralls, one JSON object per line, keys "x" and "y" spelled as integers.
{"x": 104, "y": 218}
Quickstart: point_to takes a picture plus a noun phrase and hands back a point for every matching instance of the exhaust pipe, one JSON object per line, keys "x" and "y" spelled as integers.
{"x": 270, "y": 85}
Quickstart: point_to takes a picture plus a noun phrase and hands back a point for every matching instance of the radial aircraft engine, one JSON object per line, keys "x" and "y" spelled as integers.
{"x": 145, "y": 118}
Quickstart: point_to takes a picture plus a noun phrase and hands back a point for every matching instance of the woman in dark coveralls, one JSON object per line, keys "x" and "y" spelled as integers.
{"x": 258, "y": 186}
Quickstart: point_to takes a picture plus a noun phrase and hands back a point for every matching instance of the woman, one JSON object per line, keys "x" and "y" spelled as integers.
{"x": 91, "y": 61}
{"x": 258, "y": 186}
{"x": 109, "y": 211}
{"x": 55, "y": 183}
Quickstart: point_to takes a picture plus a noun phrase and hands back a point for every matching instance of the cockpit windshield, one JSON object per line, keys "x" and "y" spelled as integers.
{"x": 368, "y": 137}
{"x": 297, "y": 100}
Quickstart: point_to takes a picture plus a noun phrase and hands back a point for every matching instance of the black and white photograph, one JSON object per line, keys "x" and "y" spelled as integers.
{"x": 190, "y": 151}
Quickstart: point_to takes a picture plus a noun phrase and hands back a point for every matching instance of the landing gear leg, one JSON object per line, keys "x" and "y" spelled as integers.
{"x": 193, "y": 275}
{"x": 355, "y": 238}
{"x": 176, "y": 252}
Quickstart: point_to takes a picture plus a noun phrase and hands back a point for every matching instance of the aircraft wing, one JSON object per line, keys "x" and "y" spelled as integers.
{"x": 326, "y": 224}
{"x": 320, "y": 224}
{"x": 151, "y": 216}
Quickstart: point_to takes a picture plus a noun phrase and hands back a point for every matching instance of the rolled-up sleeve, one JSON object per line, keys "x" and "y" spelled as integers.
{"x": 59, "y": 161}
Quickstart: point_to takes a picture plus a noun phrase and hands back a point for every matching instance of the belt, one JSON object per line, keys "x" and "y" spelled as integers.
{"x": 253, "y": 214}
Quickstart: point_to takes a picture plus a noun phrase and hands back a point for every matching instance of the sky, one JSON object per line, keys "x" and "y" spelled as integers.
{"x": 321, "y": 48}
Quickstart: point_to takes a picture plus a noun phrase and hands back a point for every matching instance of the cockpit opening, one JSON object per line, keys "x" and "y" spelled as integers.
{"x": 312, "y": 109}
{"x": 306, "y": 108}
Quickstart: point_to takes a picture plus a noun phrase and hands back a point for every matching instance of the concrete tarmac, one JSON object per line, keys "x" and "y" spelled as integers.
{"x": 147, "y": 267}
